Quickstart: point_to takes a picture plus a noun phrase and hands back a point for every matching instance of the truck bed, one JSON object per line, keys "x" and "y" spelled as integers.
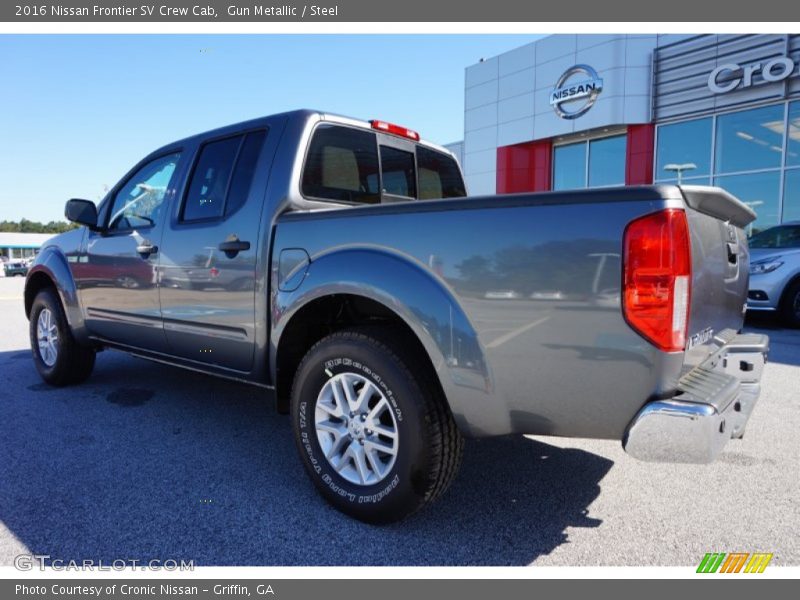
{"x": 526, "y": 314}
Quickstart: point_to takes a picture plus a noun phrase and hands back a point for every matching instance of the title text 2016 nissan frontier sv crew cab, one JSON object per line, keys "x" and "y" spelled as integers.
{"x": 339, "y": 264}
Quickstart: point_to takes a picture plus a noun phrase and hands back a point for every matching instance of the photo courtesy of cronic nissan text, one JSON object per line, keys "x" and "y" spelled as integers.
{"x": 285, "y": 289}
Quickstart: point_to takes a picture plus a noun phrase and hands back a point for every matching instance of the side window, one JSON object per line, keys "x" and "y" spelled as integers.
{"x": 218, "y": 186}
{"x": 342, "y": 164}
{"x": 439, "y": 176}
{"x": 139, "y": 204}
{"x": 399, "y": 178}
{"x": 244, "y": 171}
{"x": 208, "y": 187}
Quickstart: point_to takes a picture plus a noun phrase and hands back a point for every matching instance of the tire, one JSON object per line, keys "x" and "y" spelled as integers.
{"x": 72, "y": 362}
{"x": 790, "y": 305}
{"x": 427, "y": 444}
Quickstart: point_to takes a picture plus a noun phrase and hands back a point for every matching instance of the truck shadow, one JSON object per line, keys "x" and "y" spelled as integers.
{"x": 149, "y": 462}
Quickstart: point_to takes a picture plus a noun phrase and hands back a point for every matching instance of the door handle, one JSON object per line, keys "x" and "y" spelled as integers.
{"x": 232, "y": 246}
{"x": 146, "y": 249}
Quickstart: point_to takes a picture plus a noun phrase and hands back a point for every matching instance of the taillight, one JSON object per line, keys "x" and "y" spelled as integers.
{"x": 657, "y": 276}
{"x": 395, "y": 129}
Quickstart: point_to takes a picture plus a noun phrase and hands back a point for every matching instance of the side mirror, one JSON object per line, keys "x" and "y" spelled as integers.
{"x": 83, "y": 212}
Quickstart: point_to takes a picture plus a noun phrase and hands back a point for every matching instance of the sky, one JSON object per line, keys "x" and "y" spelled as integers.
{"x": 77, "y": 111}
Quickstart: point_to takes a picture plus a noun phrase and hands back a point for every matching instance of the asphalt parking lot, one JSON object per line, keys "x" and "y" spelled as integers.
{"x": 150, "y": 462}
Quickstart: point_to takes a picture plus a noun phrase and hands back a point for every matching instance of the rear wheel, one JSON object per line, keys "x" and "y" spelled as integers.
{"x": 790, "y": 305}
{"x": 372, "y": 429}
{"x": 59, "y": 359}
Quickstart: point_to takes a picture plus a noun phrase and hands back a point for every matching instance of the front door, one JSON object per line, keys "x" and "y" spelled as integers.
{"x": 208, "y": 256}
{"x": 116, "y": 276}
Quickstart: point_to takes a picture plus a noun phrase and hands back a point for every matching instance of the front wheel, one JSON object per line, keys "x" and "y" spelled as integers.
{"x": 59, "y": 359}
{"x": 372, "y": 428}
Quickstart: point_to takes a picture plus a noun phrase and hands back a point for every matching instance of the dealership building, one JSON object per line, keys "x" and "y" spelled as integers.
{"x": 16, "y": 246}
{"x": 577, "y": 111}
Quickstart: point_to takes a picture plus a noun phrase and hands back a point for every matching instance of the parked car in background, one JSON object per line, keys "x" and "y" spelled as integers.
{"x": 15, "y": 268}
{"x": 775, "y": 272}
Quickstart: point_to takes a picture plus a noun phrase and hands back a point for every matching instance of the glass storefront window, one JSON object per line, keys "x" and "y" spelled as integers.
{"x": 569, "y": 166}
{"x": 603, "y": 159}
{"x": 793, "y": 143}
{"x": 760, "y": 191}
{"x": 683, "y": 144}
{"x": 750, "y": 140}
{"x": 791, "y": 195}
{"x": 751, "y": 158}
{"x": 607, "y": 161}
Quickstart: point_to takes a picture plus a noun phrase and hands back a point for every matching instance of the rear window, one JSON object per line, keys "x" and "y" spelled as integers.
{"x": 439, "y": 175}
{"x": 343, "y": 165}
{"x": 397, "y": 168}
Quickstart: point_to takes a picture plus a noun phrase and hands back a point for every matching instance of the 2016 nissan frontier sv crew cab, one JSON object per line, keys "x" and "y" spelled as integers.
{"x": 339, "y": 265}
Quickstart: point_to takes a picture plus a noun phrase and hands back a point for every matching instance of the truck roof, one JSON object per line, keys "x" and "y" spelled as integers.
{"x": 299, "y": 114}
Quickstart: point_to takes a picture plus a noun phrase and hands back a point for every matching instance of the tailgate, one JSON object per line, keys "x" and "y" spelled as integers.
{"x": 720, "y": 269}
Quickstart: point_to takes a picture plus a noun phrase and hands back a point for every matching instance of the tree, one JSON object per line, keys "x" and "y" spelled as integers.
{"x": 26, "y": 226}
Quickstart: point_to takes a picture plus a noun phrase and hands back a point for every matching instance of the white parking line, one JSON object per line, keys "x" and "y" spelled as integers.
{"x": 512, "y": 334}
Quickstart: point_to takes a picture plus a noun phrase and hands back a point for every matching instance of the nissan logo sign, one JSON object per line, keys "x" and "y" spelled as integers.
{"x": 726, "y": 78}
{"x": 576, "y": 91}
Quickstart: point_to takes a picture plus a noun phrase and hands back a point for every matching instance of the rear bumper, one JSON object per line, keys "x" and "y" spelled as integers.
{"x": 713, "y": 404}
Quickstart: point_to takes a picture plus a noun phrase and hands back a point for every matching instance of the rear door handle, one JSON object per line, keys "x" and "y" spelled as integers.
{"x": 146, "y": 249}
{"x": 232, "y": 247}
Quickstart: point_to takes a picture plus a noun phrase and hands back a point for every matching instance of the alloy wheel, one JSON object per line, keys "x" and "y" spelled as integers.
{"x": 47, "y": 337}
{"x": 356, "y": 428}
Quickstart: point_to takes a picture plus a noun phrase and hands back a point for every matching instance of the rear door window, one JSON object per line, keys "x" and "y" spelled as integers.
{"x": 209, "y": 185}
{"x": 342, "y": 165}
{"x": 222, "y": 177}
{"x": 244, "y": 171}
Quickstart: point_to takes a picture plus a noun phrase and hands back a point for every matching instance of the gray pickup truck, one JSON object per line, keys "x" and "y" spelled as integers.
{"x": 339, "y": 265}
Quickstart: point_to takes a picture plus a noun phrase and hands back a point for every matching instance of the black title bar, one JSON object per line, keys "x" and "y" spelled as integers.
{"x": 402, "y": 11}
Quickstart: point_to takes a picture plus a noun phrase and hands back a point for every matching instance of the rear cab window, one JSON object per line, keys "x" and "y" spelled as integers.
{"x": 342, "y": 165}
{"x": 358, "y": 166}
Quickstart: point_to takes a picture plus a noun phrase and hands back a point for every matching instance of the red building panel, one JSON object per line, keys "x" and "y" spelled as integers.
{"x": 524, "y": 167}
{"x": 640, "y": 154}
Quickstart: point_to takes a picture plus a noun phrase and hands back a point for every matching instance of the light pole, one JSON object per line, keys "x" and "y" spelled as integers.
{"x": 679, "y": 169}
{"x": 752, "y": 204}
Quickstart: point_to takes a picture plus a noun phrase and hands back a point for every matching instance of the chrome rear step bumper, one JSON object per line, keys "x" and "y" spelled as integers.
{"x": 713, "y": 404}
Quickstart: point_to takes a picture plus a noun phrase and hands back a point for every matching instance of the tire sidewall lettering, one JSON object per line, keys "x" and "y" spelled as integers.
{"x": 333, "y": 365}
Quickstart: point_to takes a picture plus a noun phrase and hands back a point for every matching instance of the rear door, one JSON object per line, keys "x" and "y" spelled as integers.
{"x": 210, "y": 250}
